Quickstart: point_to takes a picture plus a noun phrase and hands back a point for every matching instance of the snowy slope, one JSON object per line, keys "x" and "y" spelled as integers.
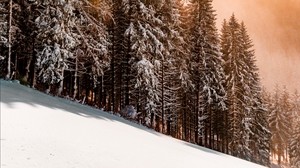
{"x": 41, "y": 131}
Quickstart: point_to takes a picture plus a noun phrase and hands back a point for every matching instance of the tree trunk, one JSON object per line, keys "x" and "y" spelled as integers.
{"x": 75, "y": 79}
{"x": 32, "y": 70}
{"x": 101, "y": 93}
{"x": 61, "y": 83}
{"x": 15, "y": 72}
{"x": 8, "y": 75}
{"x": 197, "y": 120}
{"x": 152, "y": 120}
{"x": 27, "y": 69}
{"x": 162, "y": 99}
{"x": 211, "y": 138}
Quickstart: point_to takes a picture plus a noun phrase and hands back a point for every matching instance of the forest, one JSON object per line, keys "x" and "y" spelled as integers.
{"x": 166, "y": 59}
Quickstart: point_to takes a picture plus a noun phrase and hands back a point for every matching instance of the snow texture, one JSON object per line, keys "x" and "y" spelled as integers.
{"x": 38, "y": 130}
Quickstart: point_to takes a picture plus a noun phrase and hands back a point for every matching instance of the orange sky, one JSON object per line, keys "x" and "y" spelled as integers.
{"x": 274, "y": 26}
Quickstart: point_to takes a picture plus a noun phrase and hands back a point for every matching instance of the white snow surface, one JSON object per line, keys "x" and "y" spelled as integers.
{"x": 42, "y": 131}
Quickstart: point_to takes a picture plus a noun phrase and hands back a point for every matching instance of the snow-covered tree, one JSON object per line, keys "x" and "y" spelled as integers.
{"x": 93, "y": 50}
{"x": 9, "y": 39}
{"x": 295, "y": 106}
{"x": 207, "y": 71}
{"x": 172, "y": 71}
{"x": 64, "y": 27}
{"x": 9, "y": 36}
{"x": 247, "y": 116}
{"x": 295, "y": 146}
{"x": 3, "y": 36}
{"x": 56, "y": 40}
{"x": 279, "y": 125}
{"x": 255, "y": 123}
{"x": 6, "y": 34}
{"x": 234, "y": 71}
{"x": 3, "y": 23}
{"x": 184, "y": 121}
{"x": 144, "y": 52}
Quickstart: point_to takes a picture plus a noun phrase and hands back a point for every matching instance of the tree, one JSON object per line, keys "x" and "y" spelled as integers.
{"x": 55, "y": 40}
{"x": 25, "y": 41}
{"x": 66, "y": 28}
{"x": 294, "y": 145}
{"x": 257, "y": 131}
{"x": 144, "y": 51}
{"x": 207, "y": 71}
{"x": 246, "y": 118}
{"x": 3, "y": 35}
{"x": 6, "y": 33}
{"x": 93, "y": 52}
{"x": 9, "y": 34}
{"x": 234, "y": 71}
{"x": 279, "y": 125}
{"x": 172, "y": 71}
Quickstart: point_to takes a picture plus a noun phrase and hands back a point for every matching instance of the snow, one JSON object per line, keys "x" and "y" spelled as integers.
{"x": 38, "y": 130}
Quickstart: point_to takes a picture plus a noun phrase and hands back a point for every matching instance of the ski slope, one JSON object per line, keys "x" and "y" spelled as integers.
{"x": 41, "y": 131}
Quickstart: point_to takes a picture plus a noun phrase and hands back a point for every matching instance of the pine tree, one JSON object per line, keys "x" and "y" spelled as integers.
{"x": 208, "y": 74}
{"x": 295, "y": 146}
{"x": 144, "y": 52}
{"x": 246, "y": 118}
{"x": 279, "y": 126}
{"x": 173, "y": 75}
{"x": 119, "y": 74}
{"x": 9, "y": 40}
{"x": 234, "y": 77}
{"x": 225, "y": 50}
{"x": 286, "y": 107}
{"x": 6, "y": 27}
{"x": 182, "y": 77}
{"x": 55, "y": 41}
{"x": 25, "y": 44}
{"x": 255, "y": 123}
{"x": 93, "y": 51}
{"x": 66, "y": 28}
{"x": 3, "y": 36}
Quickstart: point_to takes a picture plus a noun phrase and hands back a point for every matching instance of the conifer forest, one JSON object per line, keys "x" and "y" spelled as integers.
{"x": 166, "y": 59}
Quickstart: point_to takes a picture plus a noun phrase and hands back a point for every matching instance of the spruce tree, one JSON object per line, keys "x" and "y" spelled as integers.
{"x": 119, "y": 75}
{"x": 255, "y": 122}
{"x": 279, "y": 126}
{"x": 66, "y": 28}
{"x": 295, "y": 146}
{"x": 184, "y": 94}
{"x": 243, "y": 90}
{"x": 3, "y": 37}
{"x": 172, "y": 73}
{"x": 144, "y": 52}
{"x": 55, "y": 40}
{"x": 234, "y": 76}
{"x": 207, "y": 72}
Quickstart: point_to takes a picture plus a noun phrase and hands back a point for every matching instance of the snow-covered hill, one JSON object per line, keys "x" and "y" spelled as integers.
{"x": 41, "y": 131}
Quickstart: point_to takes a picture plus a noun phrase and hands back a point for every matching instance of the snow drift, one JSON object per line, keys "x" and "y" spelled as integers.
{"x": 41, "y": 131}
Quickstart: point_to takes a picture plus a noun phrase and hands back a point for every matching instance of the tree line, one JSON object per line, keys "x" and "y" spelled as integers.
{"x": 166, "y": 58}
{"x": 284, "y": 121}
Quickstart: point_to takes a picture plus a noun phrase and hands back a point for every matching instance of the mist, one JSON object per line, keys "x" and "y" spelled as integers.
{"x": 274, "y": 26}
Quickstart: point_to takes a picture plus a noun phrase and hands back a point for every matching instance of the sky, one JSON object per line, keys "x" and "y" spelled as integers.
{"x": 274, "y": 26}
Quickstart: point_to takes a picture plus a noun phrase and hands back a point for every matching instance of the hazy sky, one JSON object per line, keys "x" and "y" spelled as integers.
{"x": 274, "y": 26}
